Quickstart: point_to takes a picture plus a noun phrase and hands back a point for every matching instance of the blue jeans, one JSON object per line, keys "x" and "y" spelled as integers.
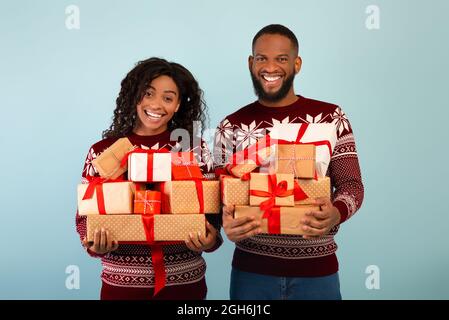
{"x": 253, "y": 286}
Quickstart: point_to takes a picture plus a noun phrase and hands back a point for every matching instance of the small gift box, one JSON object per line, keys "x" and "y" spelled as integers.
{"x": 136, "y": 227}
{"x": 234, "y": 191}
{"x": 190, "y": 196}
{"x": 296, "y": 159}
{"x": 108, "y": 162}
{"x": 247, "y": 160}
{"x": 105, "y": 198}
{"x": 272, "y": 189}
{"x": 279, "y": 220}
{"x": 147, "y": 202}
{"x": 185, "y": 166}
{"x": 312, "y": 189}
{"x": 322, "y": 135}
{"x": 149, "y": 166}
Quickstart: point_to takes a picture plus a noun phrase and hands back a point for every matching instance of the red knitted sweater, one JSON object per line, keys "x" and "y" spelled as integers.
{"x": 290, "y": 255}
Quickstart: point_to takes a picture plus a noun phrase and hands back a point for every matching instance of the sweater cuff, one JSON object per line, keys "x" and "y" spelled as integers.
{"x": 94, "y": 254}
{"x": 218, "y": 243}
{"x": 343, "y": 209}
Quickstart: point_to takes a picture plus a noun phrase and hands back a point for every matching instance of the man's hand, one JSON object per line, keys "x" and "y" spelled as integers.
{"x": 200, "y": 242}
{"x": 319, "y": 223}
{"x": 239, "y": 228}
{"x": 103, "y": 242}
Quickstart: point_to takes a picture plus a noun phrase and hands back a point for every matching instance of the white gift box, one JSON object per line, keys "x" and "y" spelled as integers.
{"x": 138, "y": 170}
{"x": 315, "y": 132}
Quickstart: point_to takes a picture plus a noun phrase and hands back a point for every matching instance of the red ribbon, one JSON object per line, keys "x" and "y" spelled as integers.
{"x": 157, "y": 255}
{"x": 149, "y": 153}
{"x": 271, "y": 211}
{"x": 298, "y": 192}
{"x": 250, "y": 153}
{"x": 96, "y": 186}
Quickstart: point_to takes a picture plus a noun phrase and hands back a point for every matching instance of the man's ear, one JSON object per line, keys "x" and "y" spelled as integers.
{"x": 298, "y": 64}
{"x": 250, "y": 62}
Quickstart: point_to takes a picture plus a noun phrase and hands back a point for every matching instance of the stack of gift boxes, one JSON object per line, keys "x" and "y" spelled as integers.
{"x": 163, "y": 200}
{"x": 277, "y": 179}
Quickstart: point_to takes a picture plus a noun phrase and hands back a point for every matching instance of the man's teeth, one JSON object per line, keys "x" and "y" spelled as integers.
{"x": 153, "y": 115}
{"x": 273, "y": 78}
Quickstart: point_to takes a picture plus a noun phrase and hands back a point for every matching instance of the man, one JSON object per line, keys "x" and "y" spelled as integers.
{"x": 269, "y": 266}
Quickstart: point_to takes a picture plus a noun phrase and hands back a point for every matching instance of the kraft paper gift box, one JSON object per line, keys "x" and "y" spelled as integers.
{"x": 117, "y": 198}
{"x": 322, "y": 135}
{"x": 247, "y": 160}
{"x": 234, "y": 191}
{"x": 185, "y": 166}
{"x": 296, "y": 159}
{"x": 290, "y": 217}
{"x": 130, "y": 228}
{"x": 149, "y": 166}
{"x": 108, "y": 162}
{"x": 147, "y": 202}
{"x": 260, "y": 183}
{"x": 320, "y": 188}
{"x": 181, "y": 197}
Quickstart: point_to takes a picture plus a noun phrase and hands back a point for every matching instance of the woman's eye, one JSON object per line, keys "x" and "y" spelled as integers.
{"x": 169, "y": 99}
{"x": 148, "y": 94}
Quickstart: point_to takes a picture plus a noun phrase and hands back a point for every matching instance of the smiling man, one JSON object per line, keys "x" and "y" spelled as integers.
{"x": 272, "y": 266}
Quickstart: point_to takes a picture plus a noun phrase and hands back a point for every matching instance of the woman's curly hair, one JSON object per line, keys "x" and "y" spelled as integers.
{"x": 192, "y": 106}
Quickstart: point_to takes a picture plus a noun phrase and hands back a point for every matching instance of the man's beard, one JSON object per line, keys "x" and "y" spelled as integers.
{"x": 272, "y": 97}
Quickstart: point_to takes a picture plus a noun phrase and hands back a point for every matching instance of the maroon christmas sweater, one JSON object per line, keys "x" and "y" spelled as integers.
{"x": 291, "y": 255}
{"x": 130, "y": 265}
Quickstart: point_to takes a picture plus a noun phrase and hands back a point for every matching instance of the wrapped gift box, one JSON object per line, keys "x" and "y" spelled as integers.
{"x": 147, "y": 202}
{"x": 247, "y": 160}
{"x": 185, "y": 166}
{"x": 234, "y": 191}
{"x": 118, "y": 198}
{"x": 296, "y": 159}
{"x": 181, "y": 197}
{"x": 149, "y": 166}
{"x": 322, "y": 135}
{"x": 260, "y": 183}
{"x": 290, "y": 217}
{"x": 130, "y": 228}
{"x": 108, "y": 162}
{"x": 320, "y": 188}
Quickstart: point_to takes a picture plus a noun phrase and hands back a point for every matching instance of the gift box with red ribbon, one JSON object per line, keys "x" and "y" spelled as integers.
{"x": 271, "y": 190}
{"x": 134, "y": 228}
{"x": 147, "y": 202}
{"x": 190, "y": 196}
{"x": 279, "y": 220}
{"x": 247, "y": 160}
{"x": 149, "y": 165}
{"x": 108, "y": 162}
{"x": 100, "y": 197}
{"x": 185, "y": 166}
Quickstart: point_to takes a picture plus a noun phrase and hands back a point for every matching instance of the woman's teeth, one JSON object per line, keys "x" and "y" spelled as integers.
{"x": 153, "y": 115}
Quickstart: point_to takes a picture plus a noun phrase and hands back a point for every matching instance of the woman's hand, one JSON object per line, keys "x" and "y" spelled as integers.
{"x": 103, "y": 242}
{"x": 200, "y": 242}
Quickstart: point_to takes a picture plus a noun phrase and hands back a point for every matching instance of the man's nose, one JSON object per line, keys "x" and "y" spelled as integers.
{"x": 270, "y": 66}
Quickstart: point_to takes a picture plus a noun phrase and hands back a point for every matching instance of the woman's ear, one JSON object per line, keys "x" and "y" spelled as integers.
{"x": 177, "y": 107}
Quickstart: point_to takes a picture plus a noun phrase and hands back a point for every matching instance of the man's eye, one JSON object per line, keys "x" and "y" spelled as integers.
{"x": 283, "y": 59}
{"x": 259, "y": 59}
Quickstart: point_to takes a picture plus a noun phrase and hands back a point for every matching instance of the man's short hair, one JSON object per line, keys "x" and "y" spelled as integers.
{"x": 277, "y": 29}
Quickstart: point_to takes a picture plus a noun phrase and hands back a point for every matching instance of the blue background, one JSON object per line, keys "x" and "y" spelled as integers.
{"x": 58, "y": 90}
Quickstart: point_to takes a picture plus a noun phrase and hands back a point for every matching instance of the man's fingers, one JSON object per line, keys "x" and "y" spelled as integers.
{"x": 97, "y": 236}
{"x": 309, "y": 231}
{"x": 103, "y": 239}
{"x": 210, "y": 229}
{"x": 319, "y": 214}
{"x": 228, "y": 211}
{"x": 315, "y": 223}
{"x": 241, "y": 221}
{"x": 114, "y": 245}
{"x": 194, "y": 239}
{"x": 108, "y": 241}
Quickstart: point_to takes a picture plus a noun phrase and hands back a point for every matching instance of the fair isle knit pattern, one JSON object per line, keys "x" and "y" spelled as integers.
{"x": 131, "y": 265}
{"x": 290, "y": 252}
